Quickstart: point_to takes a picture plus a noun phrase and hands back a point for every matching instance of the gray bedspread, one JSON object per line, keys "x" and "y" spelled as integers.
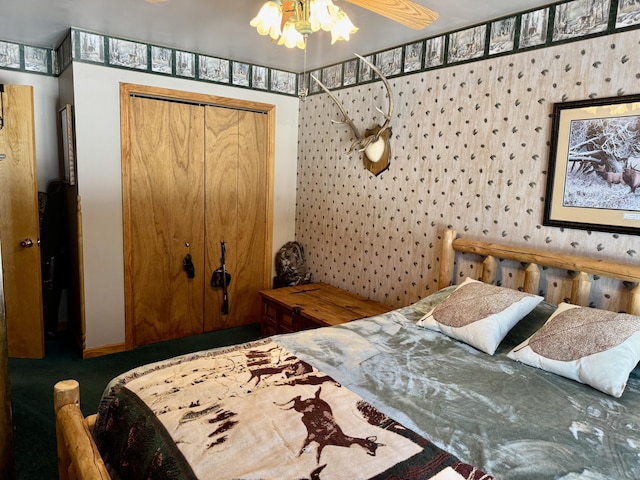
{"x": 509, "y": 419}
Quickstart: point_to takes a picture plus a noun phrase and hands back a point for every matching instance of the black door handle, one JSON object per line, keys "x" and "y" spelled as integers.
{"x": 187, "y": 265}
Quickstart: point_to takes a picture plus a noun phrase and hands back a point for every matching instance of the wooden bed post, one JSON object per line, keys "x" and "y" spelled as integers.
{"x": 532, "y": 279}
{"x": 489, "y": 269}
{"x": 633, "y": 305}
{"x": 447, "y": 259}
{"x": 78, "y": 456}
{"x": 580, "y": 288}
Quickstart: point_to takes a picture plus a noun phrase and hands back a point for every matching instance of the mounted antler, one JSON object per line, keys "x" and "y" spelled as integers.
{"x": 375, "y": 142}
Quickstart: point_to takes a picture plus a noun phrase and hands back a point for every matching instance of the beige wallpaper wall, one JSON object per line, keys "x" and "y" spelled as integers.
{"x": 470, "y": 148}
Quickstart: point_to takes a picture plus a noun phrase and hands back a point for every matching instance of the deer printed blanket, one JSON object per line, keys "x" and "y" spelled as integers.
{"x": 256, "y": 411}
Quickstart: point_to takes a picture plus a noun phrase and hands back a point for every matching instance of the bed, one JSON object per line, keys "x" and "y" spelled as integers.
{"x": 420, "y": 392}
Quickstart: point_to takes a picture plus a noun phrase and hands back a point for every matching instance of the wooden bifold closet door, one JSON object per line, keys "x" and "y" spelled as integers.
{"x": 193, "y": 175}
{"x": 235, "y": 202}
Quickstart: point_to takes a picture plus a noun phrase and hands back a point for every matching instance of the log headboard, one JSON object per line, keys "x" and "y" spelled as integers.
{"x": 535, "y": 260}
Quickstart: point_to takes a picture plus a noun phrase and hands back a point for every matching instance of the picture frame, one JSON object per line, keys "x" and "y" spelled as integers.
{"x": 67, "y": 141}
{"x": 594, "y": 165}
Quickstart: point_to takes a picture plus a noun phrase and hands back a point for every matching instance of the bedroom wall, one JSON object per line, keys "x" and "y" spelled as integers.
{"x": 470, "y": 148}
{"x": 97, "y": 115}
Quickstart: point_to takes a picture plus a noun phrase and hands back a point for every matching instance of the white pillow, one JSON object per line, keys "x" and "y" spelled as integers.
{"x": 480, "y": 314}
{"x": 588, "y": 345}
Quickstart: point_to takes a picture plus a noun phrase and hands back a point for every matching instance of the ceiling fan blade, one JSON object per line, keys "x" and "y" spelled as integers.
{"x": 406, "y": 12}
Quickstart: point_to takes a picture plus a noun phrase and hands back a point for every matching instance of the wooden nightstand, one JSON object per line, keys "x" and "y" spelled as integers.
{"x": 312, "y": 305}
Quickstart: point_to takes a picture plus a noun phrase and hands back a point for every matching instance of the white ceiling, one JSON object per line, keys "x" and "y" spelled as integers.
{"x": 221, "y": 28}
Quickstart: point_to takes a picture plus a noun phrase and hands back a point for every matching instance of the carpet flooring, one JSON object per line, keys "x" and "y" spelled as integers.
{"x": 32, "y": 384}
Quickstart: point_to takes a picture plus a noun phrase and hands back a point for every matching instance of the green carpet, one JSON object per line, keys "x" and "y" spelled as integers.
{"x": 32, "y": 384}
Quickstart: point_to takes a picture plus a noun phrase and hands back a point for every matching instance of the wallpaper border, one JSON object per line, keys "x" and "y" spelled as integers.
{"x": 561, "y": 22}
{"x": 556, "y": 23}
{"x": 26, "y": 58}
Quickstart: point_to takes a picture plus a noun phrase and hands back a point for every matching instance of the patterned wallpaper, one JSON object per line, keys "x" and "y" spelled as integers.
{"x": 470, "y": 148}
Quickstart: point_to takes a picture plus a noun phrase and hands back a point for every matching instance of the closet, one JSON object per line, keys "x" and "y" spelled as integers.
{"x": 197, "y": 171}
{"x": 19, "y": 223}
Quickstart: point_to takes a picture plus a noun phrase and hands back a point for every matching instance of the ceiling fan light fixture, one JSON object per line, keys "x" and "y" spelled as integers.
{"x": 289, "y": 22}
{"x": 322, "y": 15}
{"x": 343, "y": 28}
{"x": 267, "y": 22}
{"x": 291, "y": 37}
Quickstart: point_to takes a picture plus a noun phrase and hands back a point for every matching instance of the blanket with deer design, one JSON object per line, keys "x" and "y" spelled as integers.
{"x": 255, "y": 412}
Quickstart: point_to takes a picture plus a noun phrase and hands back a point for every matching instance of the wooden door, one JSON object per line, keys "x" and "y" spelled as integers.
{"x": 19, "y": 224}
{"x": 166, "y": 218}
{"x": 236, "y": 208}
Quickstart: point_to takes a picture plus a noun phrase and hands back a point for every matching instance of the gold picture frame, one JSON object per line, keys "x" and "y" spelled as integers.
{"x": 594, "y": 165}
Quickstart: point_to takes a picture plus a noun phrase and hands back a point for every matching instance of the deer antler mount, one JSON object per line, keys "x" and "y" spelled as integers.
{"x": 374, "y": 144}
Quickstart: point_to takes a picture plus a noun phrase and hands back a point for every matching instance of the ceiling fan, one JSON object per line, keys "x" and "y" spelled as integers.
{"x": 290, "y": 22}
{"x": 406, "y": 12}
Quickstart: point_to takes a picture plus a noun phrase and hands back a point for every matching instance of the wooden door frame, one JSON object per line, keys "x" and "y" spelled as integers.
{"x": 127, "y": 90}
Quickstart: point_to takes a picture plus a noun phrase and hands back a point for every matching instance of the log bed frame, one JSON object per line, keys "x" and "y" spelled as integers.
{"x": 78, "y": 456}
{"x": 581, "y": 285}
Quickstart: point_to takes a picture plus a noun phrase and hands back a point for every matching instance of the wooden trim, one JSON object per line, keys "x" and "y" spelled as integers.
{"x": 104, "y": 350}
{"x": 125, "y": 115}
{"x": 83, "y": 316}
{"x": 271, "y": 156}
{"x": 76, "y": 312}
{"x": 128, "y": 89}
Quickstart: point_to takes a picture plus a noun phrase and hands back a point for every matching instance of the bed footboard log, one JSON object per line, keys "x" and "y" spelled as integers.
{"x": 78, "y": 456}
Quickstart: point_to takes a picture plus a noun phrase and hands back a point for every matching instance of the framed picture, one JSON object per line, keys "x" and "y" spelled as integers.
{"x": 593, "y": 180}
{"x": 67, "y": 141}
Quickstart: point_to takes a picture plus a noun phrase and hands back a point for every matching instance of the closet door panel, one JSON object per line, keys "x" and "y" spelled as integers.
{"x": 221, "y": 211}
{"x": 252, "y": 212}
{"x": 166, "y": 214}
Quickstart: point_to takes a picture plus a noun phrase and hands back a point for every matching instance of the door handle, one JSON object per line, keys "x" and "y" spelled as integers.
{"x": 26, "y": 243}
{"x": 187, "y": 265}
